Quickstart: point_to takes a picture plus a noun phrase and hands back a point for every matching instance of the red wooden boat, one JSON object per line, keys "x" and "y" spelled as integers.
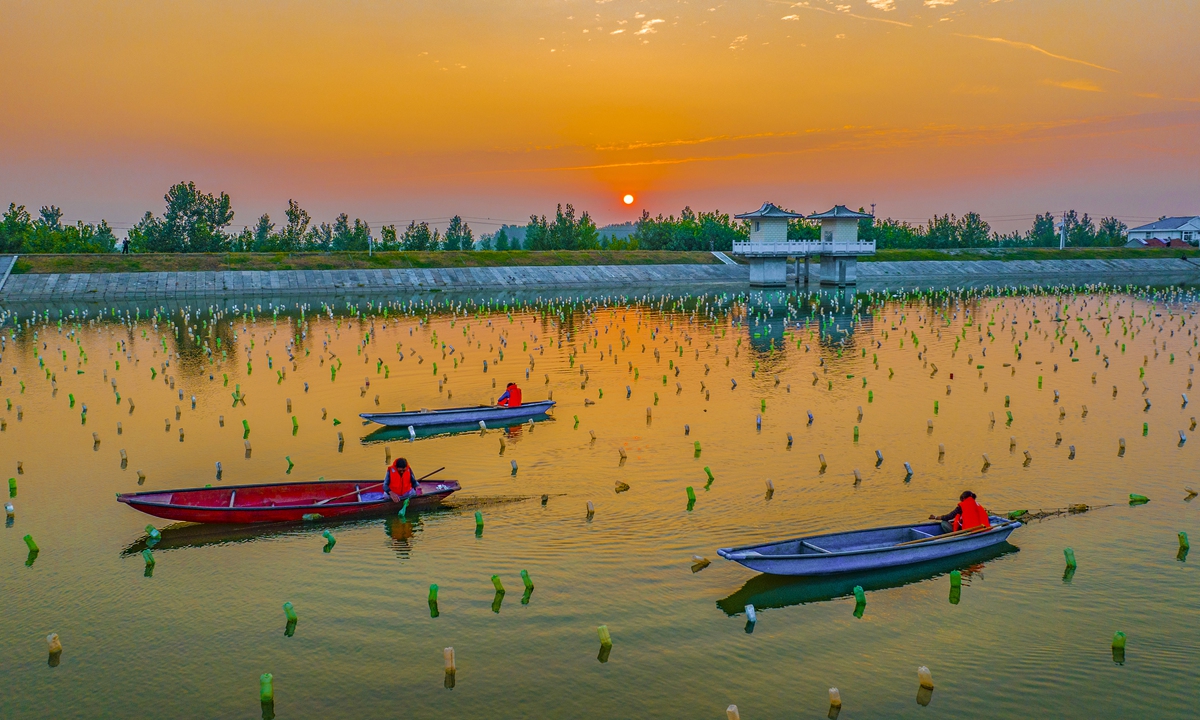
{"x": 283, "y": 502}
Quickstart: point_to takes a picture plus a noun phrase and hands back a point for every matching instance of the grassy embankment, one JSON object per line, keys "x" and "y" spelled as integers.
{"x": 183, "y": 262}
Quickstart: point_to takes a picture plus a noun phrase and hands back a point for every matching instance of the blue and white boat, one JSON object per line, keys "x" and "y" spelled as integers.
{"x": 488, "y": 414}
{"x": 865, "y": 550}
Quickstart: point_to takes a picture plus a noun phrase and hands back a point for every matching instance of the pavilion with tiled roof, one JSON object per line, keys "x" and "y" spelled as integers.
{"x": 768, "y": 249}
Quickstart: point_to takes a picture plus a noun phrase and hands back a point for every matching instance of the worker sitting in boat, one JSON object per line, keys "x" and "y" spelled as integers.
{"x": 967, "y": 515}
{"x": 511, "y": 397}
{"x": 399, "y": 481}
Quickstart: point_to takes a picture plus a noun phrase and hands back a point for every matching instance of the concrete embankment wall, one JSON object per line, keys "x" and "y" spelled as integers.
{"x": 324, "y": 284}
{"x": 333, "y": 283}
{"x": 976, "y": 273}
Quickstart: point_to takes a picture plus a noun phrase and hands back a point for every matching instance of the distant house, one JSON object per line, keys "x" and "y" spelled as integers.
{"x": 1156, "y": 243}
{"x": 1168, "y": 232}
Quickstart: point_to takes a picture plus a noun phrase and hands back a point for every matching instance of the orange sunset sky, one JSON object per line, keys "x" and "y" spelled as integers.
{"x": 495, "y": 109}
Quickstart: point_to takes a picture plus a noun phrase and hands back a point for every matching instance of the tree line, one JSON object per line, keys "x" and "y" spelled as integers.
{"x": 195, "y": 221}
{"x": 972, "y": 231}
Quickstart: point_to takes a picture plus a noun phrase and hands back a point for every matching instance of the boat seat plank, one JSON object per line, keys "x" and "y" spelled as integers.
{"x": 810, "y": 546}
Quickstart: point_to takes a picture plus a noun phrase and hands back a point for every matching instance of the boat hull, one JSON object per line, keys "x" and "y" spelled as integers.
{"x": 386, "y": 434}
{"x": 460, "y": 416}
{"x": 781, "y": 591}
{"x": 281, "y": 502}
{"x": 864, "y": 550}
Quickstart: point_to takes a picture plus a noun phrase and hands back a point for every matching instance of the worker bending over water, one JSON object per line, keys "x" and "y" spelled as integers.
{"x": 967, "y": 515}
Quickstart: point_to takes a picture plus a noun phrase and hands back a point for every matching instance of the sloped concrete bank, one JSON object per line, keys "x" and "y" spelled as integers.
{"x": 977, "y": 273}
{"x": 335, "y": 283}
{"x": 323, "y": 284}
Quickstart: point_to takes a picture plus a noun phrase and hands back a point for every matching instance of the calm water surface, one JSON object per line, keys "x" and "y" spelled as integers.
{"x": 192, "y": 638}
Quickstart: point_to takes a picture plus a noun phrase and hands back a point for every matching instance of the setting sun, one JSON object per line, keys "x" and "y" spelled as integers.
{"x": 628, "y": 199}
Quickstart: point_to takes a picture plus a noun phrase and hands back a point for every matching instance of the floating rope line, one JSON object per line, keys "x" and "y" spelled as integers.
{"x": 1040, "y": 514}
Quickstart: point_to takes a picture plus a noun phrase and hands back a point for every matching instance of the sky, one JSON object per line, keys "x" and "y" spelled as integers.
{"x": 495, "y": 109}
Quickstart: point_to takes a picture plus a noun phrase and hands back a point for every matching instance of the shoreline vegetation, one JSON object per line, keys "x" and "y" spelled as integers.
{"x": 214, "y": 262}
{"x": 197, "y": 222}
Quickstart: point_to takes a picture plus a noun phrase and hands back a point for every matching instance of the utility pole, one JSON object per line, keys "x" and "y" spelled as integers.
{"x": 872, "y": 209}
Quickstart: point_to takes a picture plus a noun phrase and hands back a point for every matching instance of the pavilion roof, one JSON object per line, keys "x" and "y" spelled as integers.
{"x": 768, "y": 210}
{"x": 839, "y": 211}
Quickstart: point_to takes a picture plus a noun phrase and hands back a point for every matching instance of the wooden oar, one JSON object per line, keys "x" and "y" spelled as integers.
{"x": 379, "y": 484}
{"x": 956, "y": 533}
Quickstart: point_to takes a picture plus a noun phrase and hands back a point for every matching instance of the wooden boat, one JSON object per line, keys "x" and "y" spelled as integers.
{"x": 388, "y": 434}
{"x": 282, "y": 502}
{"x": 462, "y": 415}
{"x": 864, "y": 550}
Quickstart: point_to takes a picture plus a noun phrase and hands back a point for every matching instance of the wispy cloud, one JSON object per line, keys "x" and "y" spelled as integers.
{"x": 1084, "y": 85}
{"x": 868, "y": 138}
{"x": 806, "y": 6}
{"x": 884, "y": 5}
{"x": 695, "y": 141}
{"x": 1035, "y": 48}
{"x": 939, "y": 3}
{"x": 648, "y": 27}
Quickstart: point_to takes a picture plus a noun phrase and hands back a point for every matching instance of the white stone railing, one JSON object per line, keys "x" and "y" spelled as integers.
{"x": 800, "y": 248}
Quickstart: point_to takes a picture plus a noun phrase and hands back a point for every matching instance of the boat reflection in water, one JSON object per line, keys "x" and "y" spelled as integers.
{"x": 780, "y": 591}
{"x": 401, "y": 532}
{"x": 513, "y": 429}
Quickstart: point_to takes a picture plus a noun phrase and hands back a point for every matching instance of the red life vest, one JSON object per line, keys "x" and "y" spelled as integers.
{"x": 973, "y": 515}
{"x": 514, "y": 397}
{"x": 400, "y": 481}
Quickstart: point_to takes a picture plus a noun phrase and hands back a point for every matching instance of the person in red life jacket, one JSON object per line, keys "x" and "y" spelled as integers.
{"x": 399, "y": 481}
{"x": 968, "y": 514}
{"x": 511, "y": 397}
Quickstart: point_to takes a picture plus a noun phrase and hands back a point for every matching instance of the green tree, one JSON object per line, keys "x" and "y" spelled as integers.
{"x": 265, "y": 239}
{"x": 973, "y": 231}
{"x": 192, "y": 222}
{"x": 418, "y": 237}
{"x": 501, "y": 240}
{"x": 537, "y": 234}
{"x": 1043, "y": 233}
{"x": 387, "y": 238}
{"x": 51, "y": 217}
{"x": 20, "y": 233}
{"x": 319, "y": 237}
{"x": 942, "y": 232}
{"x": 587, "y": 235}
{"x": 1112, "y": 232}
{"x": 15, "y": 226}
{"x": 805, "y": 229}
{"x": 292, "y": 237}
{"x": 350, "y": 237}
{"x": 691, "y": 231}
{"x": 1081, "y": 231}
{"x": 458, "y": 235}
{"x": 891, "y": 234}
